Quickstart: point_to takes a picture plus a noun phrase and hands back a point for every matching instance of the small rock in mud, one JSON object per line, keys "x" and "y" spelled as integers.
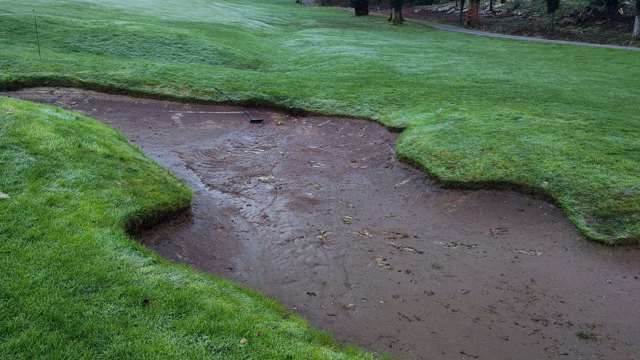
{"x": 266, "y": 179}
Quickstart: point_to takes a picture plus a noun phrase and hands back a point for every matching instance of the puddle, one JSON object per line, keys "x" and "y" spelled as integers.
{"x": 318, "y": 213}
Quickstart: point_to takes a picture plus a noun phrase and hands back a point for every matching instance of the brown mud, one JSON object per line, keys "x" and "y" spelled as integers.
{"x": 318, "y": 213}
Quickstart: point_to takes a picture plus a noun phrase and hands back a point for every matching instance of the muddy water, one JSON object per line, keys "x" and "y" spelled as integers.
{"x": 318, "y": 213}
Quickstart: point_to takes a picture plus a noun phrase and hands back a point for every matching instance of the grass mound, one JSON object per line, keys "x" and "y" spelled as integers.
{"x": 74, "y": 285}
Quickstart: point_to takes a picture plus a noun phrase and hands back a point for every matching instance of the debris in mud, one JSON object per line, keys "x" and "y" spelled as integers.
{"x": 323, "y": 237}
{"x": 3, "y": 196}
{"x": 365, "y": 233}
{"x": 469, "y": 355}
{"x": 402, "y": 183}
{"x": 455, "y": 244}
{"x": 382, "y": 262}
{"x": 266, "y": 179}
{"x": 279, "y": 119}
{"x": 348, "y": 306}
{"x": 498, "y": 231}
{"x": 346, "y": 204}
{"x": 587, "y": 335}
{"x": 528, "y": 252}
{"x": 408, "y": 249}
{"x": 347, "y": 220}
{"x": 395, "y": 235}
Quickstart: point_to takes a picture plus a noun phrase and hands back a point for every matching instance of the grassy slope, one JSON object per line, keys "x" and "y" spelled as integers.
{"x": 73, "y": 285}
{"x": 557, "y": 119}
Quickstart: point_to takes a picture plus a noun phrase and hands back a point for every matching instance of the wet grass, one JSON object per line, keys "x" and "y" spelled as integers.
{"x": 74, "y": 285}
{"x": 553, "y": 119}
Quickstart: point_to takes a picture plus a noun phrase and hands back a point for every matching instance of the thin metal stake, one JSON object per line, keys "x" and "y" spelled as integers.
{"x": 35, "y": 24}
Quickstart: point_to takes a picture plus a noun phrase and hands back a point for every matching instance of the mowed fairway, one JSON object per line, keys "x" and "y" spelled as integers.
{"x": 553, "y": 119}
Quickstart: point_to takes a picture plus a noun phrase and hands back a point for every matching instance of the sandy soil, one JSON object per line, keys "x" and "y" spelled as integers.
{"x": 318, "y": 213}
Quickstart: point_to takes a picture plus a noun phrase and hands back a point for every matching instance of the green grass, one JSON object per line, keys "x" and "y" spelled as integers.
{"x": 74, "y": 285}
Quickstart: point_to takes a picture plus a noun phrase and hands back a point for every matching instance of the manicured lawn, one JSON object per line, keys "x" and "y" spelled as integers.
{"x": 558, "y": 120}
{"x": 74, "y": 285}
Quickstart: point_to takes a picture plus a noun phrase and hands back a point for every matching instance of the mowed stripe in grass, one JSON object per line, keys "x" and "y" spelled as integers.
{"x": 74, "y": 285}
{"x": 554, "y": 119}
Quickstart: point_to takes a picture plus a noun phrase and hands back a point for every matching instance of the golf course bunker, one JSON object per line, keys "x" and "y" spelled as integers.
{"x": 318, "y": 213}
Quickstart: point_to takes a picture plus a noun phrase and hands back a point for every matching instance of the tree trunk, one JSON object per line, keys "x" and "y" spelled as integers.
{"x": 474, "y": 12}
{"x": 361, "y": 7}
{"x": 396, "y": 13}
{"x": 636, "y": 24}
{"x": 491, "y": 5}
{"x": 612, "y": 8}
{"x": 462, "y": 12}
